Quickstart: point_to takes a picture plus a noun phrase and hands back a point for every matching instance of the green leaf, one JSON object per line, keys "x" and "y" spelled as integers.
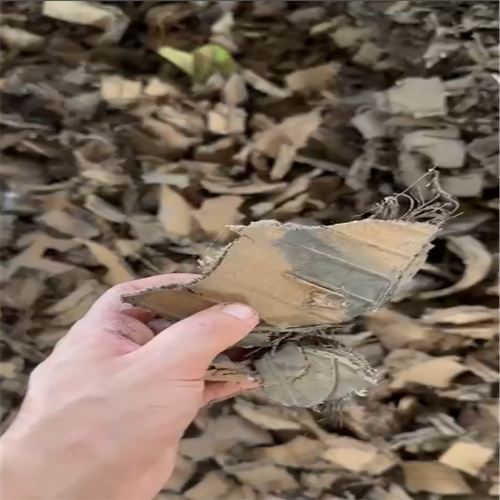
{"x": 223, "y": 60}
{"x": 203, "y": 67}
{"x": 183, "y": 60}
{"x": 202, "y": 63}
{"x": 211, "y": 59}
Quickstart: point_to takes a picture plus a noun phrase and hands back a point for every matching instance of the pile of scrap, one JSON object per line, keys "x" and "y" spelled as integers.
{"x": 134, "y": 134}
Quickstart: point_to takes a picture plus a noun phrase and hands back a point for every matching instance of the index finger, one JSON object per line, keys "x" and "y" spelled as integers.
{"x": 186, "y": 348}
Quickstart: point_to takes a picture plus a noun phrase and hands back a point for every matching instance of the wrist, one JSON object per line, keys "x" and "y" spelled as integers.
{"x": 31, "y": 470}
{"x": 37, "y": 466}
{"x": 17, "y": 471}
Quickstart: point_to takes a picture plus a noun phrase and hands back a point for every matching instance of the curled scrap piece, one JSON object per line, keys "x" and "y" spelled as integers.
{"x": 301, "y": 280}
{"x": 477, "y": 261}
{"x": 309, "y": 376}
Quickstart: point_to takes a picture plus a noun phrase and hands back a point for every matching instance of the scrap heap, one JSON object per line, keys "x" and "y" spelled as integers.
{"x": 134, "y": 133}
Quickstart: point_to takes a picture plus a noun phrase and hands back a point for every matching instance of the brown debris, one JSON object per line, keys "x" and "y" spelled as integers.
{"x": 223, "y": 435}
{"x": 294, "y": 131}
{"x": 298, "y": 452}
{"x": 97, "y": 162}
{"x": 395, "y": 492}
{"x": 467, "y": 185}
{"x": 20, "y": 39}
{"x": 213, "y": 485}
{"x": 283, "y": 162}
{"x": 442, "y": 147}
{"x": 419, "y": 97}
{"x": 267, "y": 417}
{"x": 169, "y": 135}
{"x": 71, "y": 308}
{"x": 481, "y": 370}
{"x": 103, "y": 209}
{"x": 175, "y": 214}
{"x": 436, "y": 372}
{"x": 226, "y": 120}
{"x": 118, "y": 91}
{"x": 324, "y": 110}
{"x": 216, "y": 214}
{"x": 358, "y": 456}
{"x": 107, "y": 17}
{"x": 460, "y": 315}
{"x": 433, "y": 477}
{"x": 31, "y": 258}
{"x": 69, "y": 225}
{"x": 370, "y": 124}
{"x": 243, "y": 189}
{"x": 467, "y": 457}
{"x": 183, "y": 472}
{"x": 198, "y": 448}
{"x": 118, "y": 271}
{"x": 228, "y": 431}
{"x": 477, "y": 261}
{"x": 158, "y": 88}
{"x": 484, "y": 332}
{"x": 347, "y": 37}
{"x": 235, "y": 91}
{"x": 313, "y": 79}
{"x": 368, "y": 419}
{"x": 396, "y": 331}
{"x": 263, "y": 477}
{"x": 265, "y": 86}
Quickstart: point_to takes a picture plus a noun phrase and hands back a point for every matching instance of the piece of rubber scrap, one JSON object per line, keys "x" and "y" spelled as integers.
{"x": 302, "y": 276}
{"x": 308, "y": 376}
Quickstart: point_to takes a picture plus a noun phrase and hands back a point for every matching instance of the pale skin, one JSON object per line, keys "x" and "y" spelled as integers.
{"x": 104, "y": 414}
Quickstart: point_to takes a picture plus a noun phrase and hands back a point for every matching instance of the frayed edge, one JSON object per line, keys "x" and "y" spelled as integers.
{"x": 209, "y": 263}
{"x": 129, "y": 297}
{"x": 314, "y": 332}
{"x": 369, "y": 373}
{"x": 436, "y": 211}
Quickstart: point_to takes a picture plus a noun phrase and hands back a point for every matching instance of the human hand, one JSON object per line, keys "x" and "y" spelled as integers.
{"x": 104, "y": 414}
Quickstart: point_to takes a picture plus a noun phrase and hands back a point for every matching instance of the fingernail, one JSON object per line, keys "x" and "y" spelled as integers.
{"x": 240, "y": 311}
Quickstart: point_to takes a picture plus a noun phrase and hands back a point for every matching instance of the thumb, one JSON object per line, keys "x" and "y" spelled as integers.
{"x": 189, "y": 346}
